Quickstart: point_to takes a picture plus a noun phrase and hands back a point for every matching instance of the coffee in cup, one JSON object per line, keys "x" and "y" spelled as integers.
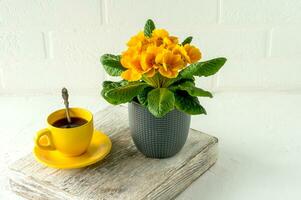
{"x": 69, "y": 139}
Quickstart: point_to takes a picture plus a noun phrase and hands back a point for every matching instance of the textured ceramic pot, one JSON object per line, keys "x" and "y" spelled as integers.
{"x": 158, "y": 137}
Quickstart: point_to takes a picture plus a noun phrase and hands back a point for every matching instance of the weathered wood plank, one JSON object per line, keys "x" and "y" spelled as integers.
{"x": 124, "y": 174}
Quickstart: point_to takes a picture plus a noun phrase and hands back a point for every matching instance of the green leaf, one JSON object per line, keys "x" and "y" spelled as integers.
{"x": 187, "y": 40}
{"x": 160, "y": 101}
{"x": 111, "y": 64}
{"x": 106, "y": 86}
{"x": 110, "y": 85}
{"x": 189, "y": 87}
{"x": 142, "y": 97}
{"x": 179, "y": 80}
{"x": 197, "y": 92}
{"x": 119, "y": 92}
{"x": 188, "y": 104}
{"x": 206, "y": 68}
{"x": 149, "y": 27}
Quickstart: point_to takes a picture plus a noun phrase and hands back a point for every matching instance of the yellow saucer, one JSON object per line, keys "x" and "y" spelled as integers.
{"x": 100, "y": 147}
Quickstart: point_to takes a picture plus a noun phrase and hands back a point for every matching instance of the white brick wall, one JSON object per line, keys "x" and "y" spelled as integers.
{"x": 21, "y": 45}
{"x": 45, "y": 44}
{"x": 48, "y": 14}
{"x": 274, "y": 12}
{"x": 286, "y": 42}
{"x": 170, "y": 12}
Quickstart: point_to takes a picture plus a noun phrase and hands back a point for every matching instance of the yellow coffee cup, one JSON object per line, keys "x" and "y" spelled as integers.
{"x": 69, "y": 141}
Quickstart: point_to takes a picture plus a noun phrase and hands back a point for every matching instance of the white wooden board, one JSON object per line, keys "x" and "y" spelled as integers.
{"x": 124, "y": 174}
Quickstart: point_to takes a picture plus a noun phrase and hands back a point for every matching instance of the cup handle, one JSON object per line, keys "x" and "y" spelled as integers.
{"x": 44, "y": 132}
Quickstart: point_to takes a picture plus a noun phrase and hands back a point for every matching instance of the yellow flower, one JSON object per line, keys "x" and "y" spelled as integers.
{"x": 160, "y": 33}
{"x": 170, "y": 42}
{"x": 148, "y": 57}
{"x": 131, "y": 75}
{"x": 159, "y": 53}
{"x": 189, "y": 53}
{"x": 130, "y": 59}
{"x": 161, "y": 37}
{"x": 180, "y": 50}
{"x": 147, "y": 60}
{"x": 138, "y": 64}
{"x": 170, "y": 64}
{"x": 193, "y": 53}
{"x": 158, "y": 36}
{"x": 136, "y": 40}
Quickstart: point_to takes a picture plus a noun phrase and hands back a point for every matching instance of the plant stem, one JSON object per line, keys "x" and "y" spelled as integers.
{"x": 149, "y": 81}
{"x": 158, "y": 81}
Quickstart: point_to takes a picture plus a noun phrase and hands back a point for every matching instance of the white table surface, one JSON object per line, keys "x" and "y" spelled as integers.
{"x": 260, "y": 142}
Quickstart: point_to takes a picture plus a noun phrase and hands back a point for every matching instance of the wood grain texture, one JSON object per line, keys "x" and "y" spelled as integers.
{"x": 124, "y": 174}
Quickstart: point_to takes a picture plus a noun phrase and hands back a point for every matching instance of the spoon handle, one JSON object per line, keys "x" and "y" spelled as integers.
{"x": 66, "y": 102}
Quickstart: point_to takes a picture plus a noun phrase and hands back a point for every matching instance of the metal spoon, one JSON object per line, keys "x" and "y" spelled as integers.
{"x": 66, "y": 102}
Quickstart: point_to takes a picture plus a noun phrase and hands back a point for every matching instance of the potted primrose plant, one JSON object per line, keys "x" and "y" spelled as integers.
{"x": 158, "y": 81}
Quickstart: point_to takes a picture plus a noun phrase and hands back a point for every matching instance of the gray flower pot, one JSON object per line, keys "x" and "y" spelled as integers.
{"x": 158, "y": 137}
